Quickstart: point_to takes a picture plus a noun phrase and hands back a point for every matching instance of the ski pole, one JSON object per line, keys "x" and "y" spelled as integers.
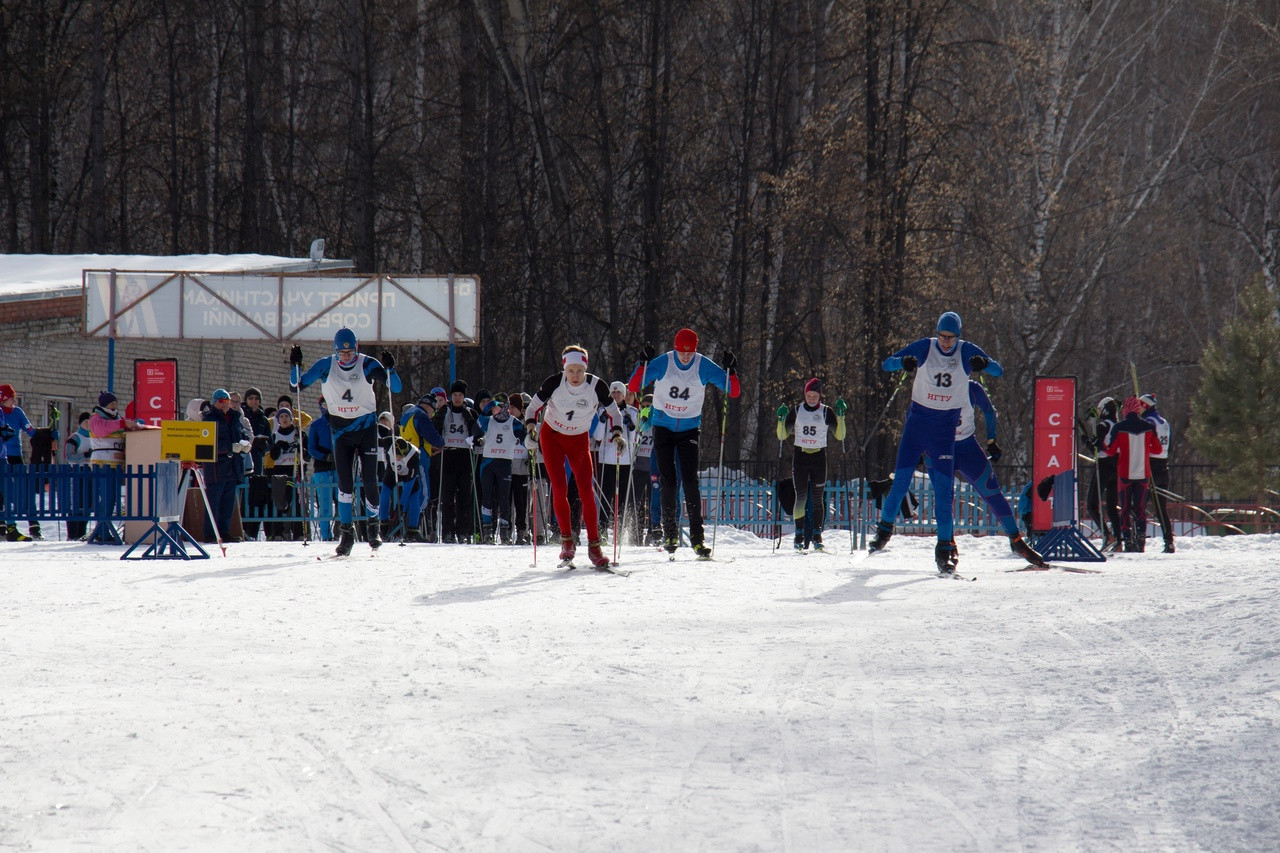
{"x": 724, "y": 425}
{"x": 902, "y": 378}
{"x": 617, "y": 474}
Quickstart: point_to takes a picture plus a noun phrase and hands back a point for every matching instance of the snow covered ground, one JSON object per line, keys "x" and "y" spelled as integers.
{"x": 456, "y": 698}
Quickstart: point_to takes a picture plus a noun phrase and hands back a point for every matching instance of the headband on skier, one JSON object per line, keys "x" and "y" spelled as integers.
{"x": 574, "y": 357}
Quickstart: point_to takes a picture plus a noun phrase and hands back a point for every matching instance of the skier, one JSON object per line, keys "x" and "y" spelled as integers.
{"x": 17, "y": 423}
{"x": 813, "y": 422}
{"x": 346, "y": 380}
{"x": 615, "y": 459}
{"x": 457, "y": 423}
{"x": 1159, "y": 468}
{"x": 571, "y": 398}
{"x": 1133, "y": 440}
{"x": 503, "y": 433}
{"x": 972, "y": 463}
{"x": 680, "y": 378}
{"x": 939, "y": 392}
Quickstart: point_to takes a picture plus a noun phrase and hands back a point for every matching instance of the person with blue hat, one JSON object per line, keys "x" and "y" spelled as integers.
{"x": 231, "y": 441}
{"x": 942, "y": 365}
{"x": 346, "y": 379}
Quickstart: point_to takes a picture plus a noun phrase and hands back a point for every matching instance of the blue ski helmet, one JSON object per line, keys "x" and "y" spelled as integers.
{"x": 949, "y": 323}
{"x": 345, "y": 340}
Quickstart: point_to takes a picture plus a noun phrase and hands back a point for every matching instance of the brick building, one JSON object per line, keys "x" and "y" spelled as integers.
{"x": 45, "y": 356}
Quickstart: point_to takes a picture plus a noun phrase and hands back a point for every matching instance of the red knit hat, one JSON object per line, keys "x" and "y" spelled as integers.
{"x": 686, "y": 340}
{"x": 6, "y": 391}
{"x": 1131, "y": 405}
{"x": 814, "y": 384}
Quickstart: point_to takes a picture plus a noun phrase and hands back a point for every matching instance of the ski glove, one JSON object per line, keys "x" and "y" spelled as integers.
{"x": 647, "y": 354}
{"x": 993, "y": 450}
{"x": 530, "y": 441}
{"x": 388, "y": 360}
{"x": 295, "y": 355}
{"x": 977, "y": 363}
{"x": 841, "y": 407}
{"x": 783, "y": 411}
{"x": 617, "y": 438}
{"x": 909, "y": 363}
{"x": 730, "y": 361}
{"x": 241, "y": 446}
{"x": 7, "y": 432}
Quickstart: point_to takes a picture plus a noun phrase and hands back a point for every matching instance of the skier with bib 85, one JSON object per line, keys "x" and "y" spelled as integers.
{"x": 346, "y": 379}
{"x": 814, "y": 423}
{"x": 571, "y": 399}
{"x": 942, "y": 365}
{"x": 680, "y": 379}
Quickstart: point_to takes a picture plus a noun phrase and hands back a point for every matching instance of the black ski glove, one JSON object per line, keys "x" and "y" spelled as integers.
{"x": 295, "y": 355}
{"x": 730, "y": 360}
{"x": 977, "y": 363}
{"x": 647, "y": 353}
{"x": 388, "y": 360}
{"x": 993, "y": 450}
{"x": 909, "y": 363}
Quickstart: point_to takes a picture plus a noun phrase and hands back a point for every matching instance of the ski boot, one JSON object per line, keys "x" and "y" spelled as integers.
{"x": 817, "y": 542}
{"x": 946, "y": 556}
{"x": 702, "y": 551}
{"x": 374, "y": 534}
{"x": 883, "y": 532}
{"x": 595, "y": 554}
{"x": 670, "y": 544}
{"x": 1168, "y": 546}
{"x": 486, "y": 534}
{"x": 12, "y": 534}
{"x": 567, "y": 549}
{"x": 799, "y": 543}
{"x": 33, "y": 530}
{"x": 346, "y": 538}
{"x": 1020, "y": 547}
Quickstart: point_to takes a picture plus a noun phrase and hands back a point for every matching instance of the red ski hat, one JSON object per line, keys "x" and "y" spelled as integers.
{"x": 6, "y": 391}
{"x": 1131, "y": 405}
{"x": 814, "y": 384}
{"x": 686, "y": 340}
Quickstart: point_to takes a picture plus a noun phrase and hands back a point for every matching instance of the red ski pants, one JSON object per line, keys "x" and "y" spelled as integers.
{"x": 556, "y": 448}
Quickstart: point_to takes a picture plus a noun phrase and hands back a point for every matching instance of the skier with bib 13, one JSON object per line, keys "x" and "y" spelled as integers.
{"x": 942, "y": 365}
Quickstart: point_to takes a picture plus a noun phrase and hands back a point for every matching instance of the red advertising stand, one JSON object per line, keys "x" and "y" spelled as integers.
{"x": 155, "y": 390}
{"x": 1053, "y": 460}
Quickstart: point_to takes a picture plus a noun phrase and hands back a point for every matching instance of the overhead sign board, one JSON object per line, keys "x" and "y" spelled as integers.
{"x": 289, "y": 308}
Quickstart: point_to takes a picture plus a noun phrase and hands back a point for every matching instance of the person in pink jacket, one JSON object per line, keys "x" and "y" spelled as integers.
{"x": 1133, "y": 439}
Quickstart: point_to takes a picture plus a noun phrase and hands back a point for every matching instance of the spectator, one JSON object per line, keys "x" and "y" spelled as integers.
{"x": 76, "y": 452}
{"x": 225, "y": 473}
{"x": 17, "y": 423}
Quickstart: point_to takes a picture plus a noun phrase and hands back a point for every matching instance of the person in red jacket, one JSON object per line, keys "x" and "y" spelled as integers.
{"x": 1133, "y": 439}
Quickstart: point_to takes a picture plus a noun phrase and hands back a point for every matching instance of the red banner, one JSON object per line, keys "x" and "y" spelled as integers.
{"x": 155, "y": 390}
{"x": 1054, "y": 440}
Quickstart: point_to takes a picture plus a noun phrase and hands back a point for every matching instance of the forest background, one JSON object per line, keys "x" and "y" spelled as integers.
{"x": 807, "y": 182}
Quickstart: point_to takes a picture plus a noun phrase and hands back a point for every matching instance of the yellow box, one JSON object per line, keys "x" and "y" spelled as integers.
{"x": 188, "y": 441}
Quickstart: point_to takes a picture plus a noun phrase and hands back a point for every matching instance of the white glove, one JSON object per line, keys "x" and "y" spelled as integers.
{"x": 241, "y": 446}
{"x": 530, "y": 442}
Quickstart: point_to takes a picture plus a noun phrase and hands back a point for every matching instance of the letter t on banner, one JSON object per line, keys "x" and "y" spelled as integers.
{"x": 1053, "y": 446}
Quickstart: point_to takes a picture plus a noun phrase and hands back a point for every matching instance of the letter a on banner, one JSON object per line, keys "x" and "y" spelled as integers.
{"x": 1054, "y": 448}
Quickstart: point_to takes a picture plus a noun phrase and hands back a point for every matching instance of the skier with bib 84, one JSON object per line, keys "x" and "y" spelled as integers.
{"x": 680, "y": 379}
{"x": 942, "y": 365}
{"x": 346, "y": 379}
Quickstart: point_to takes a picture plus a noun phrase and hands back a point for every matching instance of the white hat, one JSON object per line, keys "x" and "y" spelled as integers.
{"x": 617, "y": 387}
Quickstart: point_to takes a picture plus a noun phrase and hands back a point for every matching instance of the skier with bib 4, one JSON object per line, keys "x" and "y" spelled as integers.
{"x": 942, "y": 365}
{"x": 346, "y": 380}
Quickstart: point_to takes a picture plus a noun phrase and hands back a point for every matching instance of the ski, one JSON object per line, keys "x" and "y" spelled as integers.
{"x": 567, "y": 565}
{"x": 613, "y": 568}
{"x": 955, "y": 577}
{"x": 1073, "y": 569}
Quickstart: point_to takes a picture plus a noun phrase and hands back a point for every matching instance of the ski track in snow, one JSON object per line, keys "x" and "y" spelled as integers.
{"x": 455, "y": 698}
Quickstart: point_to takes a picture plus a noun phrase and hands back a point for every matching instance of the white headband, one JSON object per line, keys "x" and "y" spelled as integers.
{"x": 574, "y": 357}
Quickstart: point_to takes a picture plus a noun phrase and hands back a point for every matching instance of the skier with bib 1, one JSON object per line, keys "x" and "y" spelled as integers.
{"x": 680, "y": 379}
{"x": 346, "y": 380}
{"x": 942, "y": 365}
{"x": 571, "y": 399}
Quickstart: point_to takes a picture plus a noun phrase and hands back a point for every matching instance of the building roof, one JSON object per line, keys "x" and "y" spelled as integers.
{"x": 28, "y": 277}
